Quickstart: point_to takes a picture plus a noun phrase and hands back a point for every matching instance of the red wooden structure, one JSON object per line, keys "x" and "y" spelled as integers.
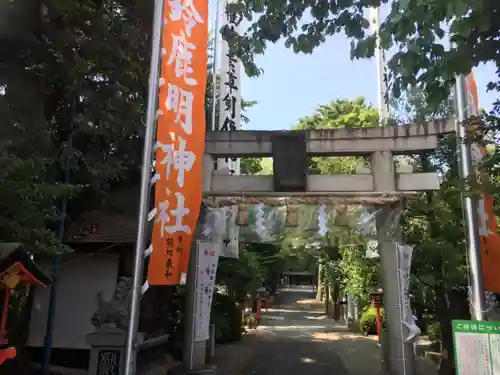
{"x": 16, "y": 267}
{"x": 378, "y": 302}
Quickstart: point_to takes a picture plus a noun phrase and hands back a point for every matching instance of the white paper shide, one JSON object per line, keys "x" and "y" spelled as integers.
{"x": 220, "y": 227}
{"x": 208, "y": 259}
{"x": 405, "y": 253}
{"x": 230, "y": 239}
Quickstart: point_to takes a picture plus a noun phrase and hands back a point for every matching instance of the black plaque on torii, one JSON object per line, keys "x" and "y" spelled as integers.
{"x": 290, "y": 162}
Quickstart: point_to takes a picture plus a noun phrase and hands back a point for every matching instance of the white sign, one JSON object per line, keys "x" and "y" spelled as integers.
{"x": 405, "y": 253}
{"x": 477, "y": 347}
{"x": 208, "y": 258}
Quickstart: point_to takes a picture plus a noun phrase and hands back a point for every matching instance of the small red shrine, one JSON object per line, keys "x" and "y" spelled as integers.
{"x": 16, "y": 267}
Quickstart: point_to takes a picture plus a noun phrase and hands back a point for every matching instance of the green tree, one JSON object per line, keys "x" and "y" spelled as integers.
{"x": 340, "y": 113}
{"x": 434, "y": 224}
{"x": 417, "y": 28}
{"x": 73, "y": 84}
{"x": 74, "y": 80}
{"x": 243, "y": 275}
{"x": 341, "y": 252}
{"x": 250, "y": 166}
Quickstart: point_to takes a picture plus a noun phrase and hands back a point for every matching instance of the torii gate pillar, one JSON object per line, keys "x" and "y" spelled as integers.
{"x": 399, "y": 357}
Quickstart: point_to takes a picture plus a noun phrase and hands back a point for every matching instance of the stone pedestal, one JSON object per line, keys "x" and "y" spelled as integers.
{"x": 107, "y": 351}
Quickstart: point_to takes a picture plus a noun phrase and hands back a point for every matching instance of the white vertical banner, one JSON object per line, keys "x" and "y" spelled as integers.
{"x": 405, "y": 253}
{"x": 230, "y": 92}
{"x": 208, "y": 259}
{"x": 229, "y": 120}
{"x": 381, "y": 67}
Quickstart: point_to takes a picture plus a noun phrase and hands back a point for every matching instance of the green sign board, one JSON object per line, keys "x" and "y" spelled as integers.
{"x": 477, "y": 347}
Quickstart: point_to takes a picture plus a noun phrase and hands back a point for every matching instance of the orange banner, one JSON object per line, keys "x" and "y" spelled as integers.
{"x": 488, "y": 230}
{"x": 180, "y": 138}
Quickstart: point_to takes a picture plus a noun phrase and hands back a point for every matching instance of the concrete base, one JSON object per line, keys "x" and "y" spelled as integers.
{"x": 107, "y": 351}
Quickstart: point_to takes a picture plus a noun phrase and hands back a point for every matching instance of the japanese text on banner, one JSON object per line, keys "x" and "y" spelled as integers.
{"x": 230, "y": 92}
{"x": 208, "y": 258}
{"x": 180, "y": 138}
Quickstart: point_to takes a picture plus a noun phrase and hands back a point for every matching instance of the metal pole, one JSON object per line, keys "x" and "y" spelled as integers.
{"x": 469, "y": 203}
{"x": 56, "y": 267}
{"x": 131, "y": 342}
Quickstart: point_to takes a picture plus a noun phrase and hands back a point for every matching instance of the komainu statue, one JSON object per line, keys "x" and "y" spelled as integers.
{"x": 114, "y": 313}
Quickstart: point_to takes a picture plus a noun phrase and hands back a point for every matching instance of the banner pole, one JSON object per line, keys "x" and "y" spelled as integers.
{"x": 138, "y": 270}
{"x": 216, "y": 41}
{"x": 469, "y": 203}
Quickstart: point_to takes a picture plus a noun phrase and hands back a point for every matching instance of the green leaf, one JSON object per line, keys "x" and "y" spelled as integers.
{"x": 403, "y": 4}
{"x": 364, "y": 48}
{"x": 461, "y": 7}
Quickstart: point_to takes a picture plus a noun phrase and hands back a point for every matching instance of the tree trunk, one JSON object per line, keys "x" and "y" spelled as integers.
{"x": 319, "y": 292}
{"x": 335, "y": 296}
{"x": 446, "y": 365}
{"x": 326, "y": 295}
{"x": 450, "y": 304}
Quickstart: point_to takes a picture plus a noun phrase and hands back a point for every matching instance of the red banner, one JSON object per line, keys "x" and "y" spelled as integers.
{"x": 180, "y": 138}
{"x": 488, "y": 230}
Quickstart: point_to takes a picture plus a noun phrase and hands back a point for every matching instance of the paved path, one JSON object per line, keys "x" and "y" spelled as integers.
{"x": 295, "y": 338}
{"x": 292, "y": 345}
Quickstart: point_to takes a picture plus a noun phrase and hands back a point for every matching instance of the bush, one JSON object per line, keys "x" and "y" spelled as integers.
{"x": 227, "y": 319}
{"x": 434, "y": 332}
{"x": 251, "y": 322}
{"x": 368, "y": 321}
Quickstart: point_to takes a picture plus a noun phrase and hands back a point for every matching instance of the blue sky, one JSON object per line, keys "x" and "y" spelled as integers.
{"x": 293, "y": 85}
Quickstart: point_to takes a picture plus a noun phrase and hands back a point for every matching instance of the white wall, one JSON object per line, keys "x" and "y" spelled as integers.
{"x": 81, "y": 278}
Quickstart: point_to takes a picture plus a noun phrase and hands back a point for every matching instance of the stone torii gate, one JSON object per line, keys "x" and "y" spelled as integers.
{"x": 382, "y": 184}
